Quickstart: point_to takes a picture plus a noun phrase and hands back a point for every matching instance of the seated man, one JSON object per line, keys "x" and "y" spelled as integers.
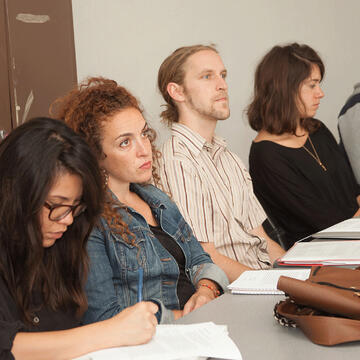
{"x": 208, "y": 182}
{"x": 349, "y": 130}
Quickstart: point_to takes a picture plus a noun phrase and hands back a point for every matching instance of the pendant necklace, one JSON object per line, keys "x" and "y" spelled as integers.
{"x": 314, "y": 155}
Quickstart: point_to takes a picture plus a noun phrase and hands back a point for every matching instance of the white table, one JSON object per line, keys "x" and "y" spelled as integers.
{"x": 258, "y": 335}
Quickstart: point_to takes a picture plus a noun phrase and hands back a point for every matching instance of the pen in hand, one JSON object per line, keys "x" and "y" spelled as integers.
{"x": 140, "y": 283}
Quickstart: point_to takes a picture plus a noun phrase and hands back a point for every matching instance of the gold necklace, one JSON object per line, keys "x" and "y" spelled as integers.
{"x": 315, "y": 155}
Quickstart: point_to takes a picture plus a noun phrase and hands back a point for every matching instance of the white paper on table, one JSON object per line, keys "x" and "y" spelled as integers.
{"x": 349, "y": 228}
{"x": 264, "y": 281}
{"x": 175, "y": 342}
{"x": 324, "y": 252}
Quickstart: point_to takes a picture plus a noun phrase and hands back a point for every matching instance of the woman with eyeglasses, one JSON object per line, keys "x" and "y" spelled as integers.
{"x": 142, "y": 233}
{"x": 51, "y": 194}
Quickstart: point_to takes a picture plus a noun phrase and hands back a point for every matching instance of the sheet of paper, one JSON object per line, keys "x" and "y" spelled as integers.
{"x": 346, "y": 228}
{"x": 176, "y": 342}
{"x": 264, "y": 281}
{"x": 324, "y": 252}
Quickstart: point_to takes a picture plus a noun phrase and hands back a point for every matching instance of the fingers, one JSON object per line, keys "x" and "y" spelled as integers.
{"x": 196, "y": 301}
{"x": 189, "y": 306}
{"x": 178, "y": 314}
{"x": 140, "y": 322}
{"x": 150, "y": 309}
{"x": 187, "y": 309}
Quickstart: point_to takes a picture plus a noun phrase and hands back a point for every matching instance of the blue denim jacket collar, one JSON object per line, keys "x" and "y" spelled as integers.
{"x": 146, "y": 193}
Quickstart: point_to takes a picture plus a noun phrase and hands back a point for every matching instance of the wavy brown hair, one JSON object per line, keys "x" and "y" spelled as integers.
{"x": 32, "y": 158}
{"x": 278, "y": 79}
{"x": 85, "y": 109}
{"x": 172, "y": 70}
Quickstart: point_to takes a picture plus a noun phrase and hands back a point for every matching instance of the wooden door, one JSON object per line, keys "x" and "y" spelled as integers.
{"x": 40, "y": 57}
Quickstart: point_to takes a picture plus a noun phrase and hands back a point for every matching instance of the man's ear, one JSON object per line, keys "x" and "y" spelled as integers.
{"x": 176, "y": 91}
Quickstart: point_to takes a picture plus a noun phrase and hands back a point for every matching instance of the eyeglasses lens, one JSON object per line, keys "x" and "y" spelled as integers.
{"x": 60, "y": 212}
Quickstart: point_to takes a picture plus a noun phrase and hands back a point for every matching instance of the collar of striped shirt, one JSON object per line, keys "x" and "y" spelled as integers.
{"x": 194, "y": 141}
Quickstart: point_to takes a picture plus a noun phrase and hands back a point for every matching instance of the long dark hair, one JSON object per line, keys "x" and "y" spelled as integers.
{"x": 31, "y": 158}
{"x": 278, "y": 77}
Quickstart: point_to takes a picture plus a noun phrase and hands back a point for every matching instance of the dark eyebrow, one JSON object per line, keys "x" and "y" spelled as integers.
{"x": 61, "y": 198}
{"x": 310, "y": 78}
{"x": 129, "y": 134}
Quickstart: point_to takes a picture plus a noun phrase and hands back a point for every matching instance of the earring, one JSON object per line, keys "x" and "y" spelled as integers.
{"x": 106, "y": 177}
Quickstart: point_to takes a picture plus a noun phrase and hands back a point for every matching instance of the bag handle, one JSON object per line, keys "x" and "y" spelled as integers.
{"x": 330, "y": 299}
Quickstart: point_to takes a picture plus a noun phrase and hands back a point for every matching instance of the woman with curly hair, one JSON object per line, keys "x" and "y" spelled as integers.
{"x": 51, "y": 195}
{"x": 141, "y": 230}
{"x": 299, "y": 175}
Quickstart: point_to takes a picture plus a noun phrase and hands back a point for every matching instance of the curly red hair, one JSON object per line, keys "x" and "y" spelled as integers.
{"x": 85, "y": 109}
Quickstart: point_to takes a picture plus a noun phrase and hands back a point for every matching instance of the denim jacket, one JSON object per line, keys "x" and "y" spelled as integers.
{"x": 112, "y": 283}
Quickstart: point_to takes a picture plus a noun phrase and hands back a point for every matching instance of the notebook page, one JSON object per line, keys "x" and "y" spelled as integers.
{"x": 323, "y": 251}
{"x": 176, "y": 342}
{"x": 349, "y": 227}
{"x": 264, "y": 281}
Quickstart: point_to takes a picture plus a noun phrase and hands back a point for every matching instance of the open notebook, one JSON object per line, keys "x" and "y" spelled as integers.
{"x": 264, "y": 281}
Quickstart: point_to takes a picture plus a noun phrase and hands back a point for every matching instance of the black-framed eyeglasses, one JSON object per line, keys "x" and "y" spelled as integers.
{"x": 58, "y": 212}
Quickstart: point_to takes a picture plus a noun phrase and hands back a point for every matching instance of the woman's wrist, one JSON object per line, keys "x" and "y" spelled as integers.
{"x": 210, "y": 286}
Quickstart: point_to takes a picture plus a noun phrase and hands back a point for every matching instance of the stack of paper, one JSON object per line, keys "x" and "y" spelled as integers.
{"x": 264, "y": 281}
{"x": 332, "y": 252}
{"x": 172, "y": 342}
{"x": 348, "y": 229}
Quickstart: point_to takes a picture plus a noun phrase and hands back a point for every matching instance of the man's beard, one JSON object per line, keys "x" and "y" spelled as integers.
{"x": 211, "y": 112}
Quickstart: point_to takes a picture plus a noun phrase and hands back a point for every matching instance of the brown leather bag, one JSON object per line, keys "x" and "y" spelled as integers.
{"x": 326, "y": 306}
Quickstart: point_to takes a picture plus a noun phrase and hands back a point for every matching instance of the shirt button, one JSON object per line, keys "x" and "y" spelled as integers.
{"x": 36, "y": 320}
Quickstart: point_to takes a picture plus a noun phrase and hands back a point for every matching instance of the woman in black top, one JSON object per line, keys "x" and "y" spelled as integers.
{"x": 51, "y": 194}
{"x": 298, "y": 172}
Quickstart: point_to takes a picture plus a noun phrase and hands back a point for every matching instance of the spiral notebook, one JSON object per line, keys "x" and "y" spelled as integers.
{"x": 264, "y": 282}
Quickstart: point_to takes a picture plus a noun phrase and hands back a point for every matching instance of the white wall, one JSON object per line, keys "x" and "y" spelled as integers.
{"x": 128, "y": 40}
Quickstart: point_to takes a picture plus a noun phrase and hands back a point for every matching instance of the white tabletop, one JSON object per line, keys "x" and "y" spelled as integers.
{"x": 258, "y": 335}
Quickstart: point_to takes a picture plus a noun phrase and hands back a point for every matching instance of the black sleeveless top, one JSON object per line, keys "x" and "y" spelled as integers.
{"x": 296, "y": 192}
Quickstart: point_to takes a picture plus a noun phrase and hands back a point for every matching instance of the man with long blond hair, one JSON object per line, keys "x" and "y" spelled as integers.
{"x": 208, "y": 182}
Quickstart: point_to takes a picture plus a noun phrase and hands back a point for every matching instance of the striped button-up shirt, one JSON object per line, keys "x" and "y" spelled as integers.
{"x": 213, "y": 191}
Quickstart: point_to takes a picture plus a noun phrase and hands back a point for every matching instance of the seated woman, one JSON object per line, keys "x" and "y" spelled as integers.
{"x": 141, "y": 229}
{"x": 299, "y": 175}
{"x": 51, "y": 193}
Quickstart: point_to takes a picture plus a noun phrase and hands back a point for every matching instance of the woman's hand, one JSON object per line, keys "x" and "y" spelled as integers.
{"x": 134, "y": 325}
{"x": 202, "y": 296}
{"x": 177, "y": 314}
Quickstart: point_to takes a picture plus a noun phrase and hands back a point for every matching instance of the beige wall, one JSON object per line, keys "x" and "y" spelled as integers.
{"x": 127, "y": 41}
